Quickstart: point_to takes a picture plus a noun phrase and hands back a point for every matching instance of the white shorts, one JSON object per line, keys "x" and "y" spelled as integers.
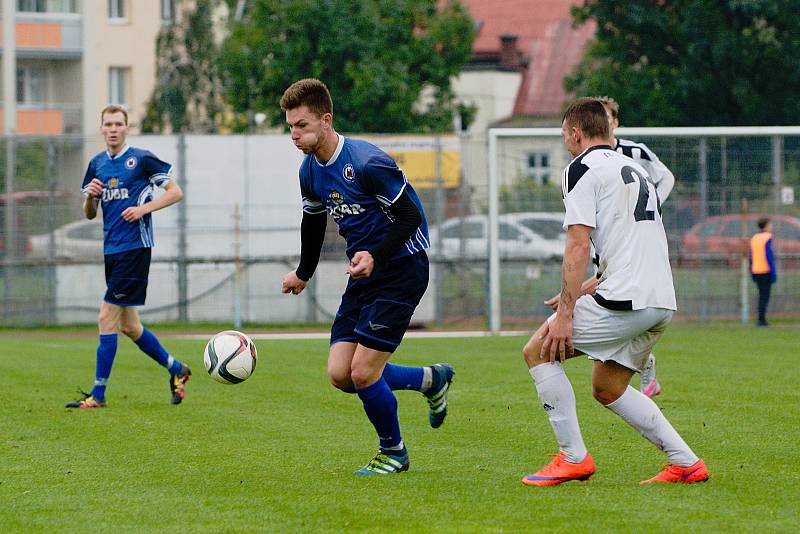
{"x": 625, "y": 337}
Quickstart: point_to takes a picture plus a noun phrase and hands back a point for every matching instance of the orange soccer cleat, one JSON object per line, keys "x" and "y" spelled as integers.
{"x": 88, "y": 401}
{"x": 681, "y": 475}
{"x": 560, "y": 470}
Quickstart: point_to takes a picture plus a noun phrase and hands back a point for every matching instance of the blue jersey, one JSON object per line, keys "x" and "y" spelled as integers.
{"x": 357, "y": 187}
{"x": 129, "y": 179}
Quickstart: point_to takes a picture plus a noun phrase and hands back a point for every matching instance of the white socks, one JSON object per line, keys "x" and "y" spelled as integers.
{"x": 643, "y": 414}
{"x": 558, "y": 400}
{"x": 427, "y": 379}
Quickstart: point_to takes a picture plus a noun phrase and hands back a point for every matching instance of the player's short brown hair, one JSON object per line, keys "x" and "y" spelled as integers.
{"x": 113, "y": 108}
{"x": 589, "y": 116}
{"x": 763, "y": 222}
{"x": 308, "y": 92}
{"x": 610, "y": 104}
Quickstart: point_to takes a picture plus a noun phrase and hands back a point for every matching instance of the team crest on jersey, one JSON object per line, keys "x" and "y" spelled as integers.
{"x": 114, "y": 182}
{"x": 337, "y": 197}
{"x": 349, "y": 172}
{"x": 131, "y": 162}
{"x": 340, "y": 208}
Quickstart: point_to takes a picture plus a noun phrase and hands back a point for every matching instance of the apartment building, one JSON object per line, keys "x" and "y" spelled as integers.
{"x": 72, "y": 57}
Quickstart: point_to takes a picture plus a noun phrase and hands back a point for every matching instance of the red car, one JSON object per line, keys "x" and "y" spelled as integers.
{"x": 721, "y": 236}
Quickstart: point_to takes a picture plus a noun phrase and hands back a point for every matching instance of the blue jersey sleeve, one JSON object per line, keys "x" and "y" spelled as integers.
{"x": 90, "y": 174}
{"x": 311, "y": 201}
{"x": 156, "y": 170}
{"x": 383, "y": 179}
{"x": 770, "y": 260}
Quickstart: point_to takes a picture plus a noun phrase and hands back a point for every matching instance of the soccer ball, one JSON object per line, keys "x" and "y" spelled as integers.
{"x": 230, "y": 357}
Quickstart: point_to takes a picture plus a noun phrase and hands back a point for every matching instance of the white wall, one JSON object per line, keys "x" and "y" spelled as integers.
{"x": 260, "y": 174}
{"x": 494, "y": 93}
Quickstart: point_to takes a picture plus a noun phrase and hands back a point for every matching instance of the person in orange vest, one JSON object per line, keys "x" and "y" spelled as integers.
{"x": 762, "y": 266}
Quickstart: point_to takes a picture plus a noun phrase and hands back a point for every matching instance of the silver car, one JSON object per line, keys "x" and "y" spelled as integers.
{"x": 519, "y": 237}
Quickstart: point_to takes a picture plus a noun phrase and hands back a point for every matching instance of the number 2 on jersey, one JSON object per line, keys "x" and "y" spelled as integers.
{"x": 640, "y": 212}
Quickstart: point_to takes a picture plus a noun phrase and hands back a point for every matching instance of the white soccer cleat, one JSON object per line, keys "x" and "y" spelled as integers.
{"x": 649, "y": 383}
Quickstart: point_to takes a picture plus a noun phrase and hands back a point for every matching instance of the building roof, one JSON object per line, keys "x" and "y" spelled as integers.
{"x": 545, "y": 37}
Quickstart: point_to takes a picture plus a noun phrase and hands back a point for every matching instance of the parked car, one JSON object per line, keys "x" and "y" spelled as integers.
{"x": 548, "y": 226}
{"x": 720, "y": 236}
{"x": 82, "y": 239}
{"x": 520, "y": 237}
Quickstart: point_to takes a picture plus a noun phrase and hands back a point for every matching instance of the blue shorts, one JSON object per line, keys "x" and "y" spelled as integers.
{"x": 126, "y": 277}
{"x": 375, "y": 311}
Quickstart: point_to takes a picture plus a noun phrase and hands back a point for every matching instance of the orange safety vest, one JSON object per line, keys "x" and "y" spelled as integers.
{"x": 758, "y": 253}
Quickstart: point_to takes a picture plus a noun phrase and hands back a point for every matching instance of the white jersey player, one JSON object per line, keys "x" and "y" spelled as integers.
{"x": 609, "y": 202}
{"x": 664, "y": 181}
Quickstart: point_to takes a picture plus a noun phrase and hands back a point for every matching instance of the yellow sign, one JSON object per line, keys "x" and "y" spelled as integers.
{"x": 417, "y": 157}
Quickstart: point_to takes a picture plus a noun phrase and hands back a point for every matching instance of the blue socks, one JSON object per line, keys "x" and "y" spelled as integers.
{"x": 106, "y": 351}
{"x": 381, "y": 407}
{"x": 149, "y": 344}
{"x": 403, "y": 377}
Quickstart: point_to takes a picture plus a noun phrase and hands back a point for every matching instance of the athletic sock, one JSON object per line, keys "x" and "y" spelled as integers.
{"x": 643, "y": 414}
{"x": 149, "y": 344}
{"x": 106, "y": 351}
{"x": 393, "y": 450}
{"x": 558, "y": 400}
{"x": 403, "y": 377}
{"x": 381, "y": 407}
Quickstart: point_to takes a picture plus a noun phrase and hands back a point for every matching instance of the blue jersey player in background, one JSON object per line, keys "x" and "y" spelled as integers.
{"x": 383, "y": 223}
{"x": 122, "y": 179}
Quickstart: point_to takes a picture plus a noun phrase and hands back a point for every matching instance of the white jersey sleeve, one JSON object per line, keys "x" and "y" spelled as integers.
{"x": 611, "y": 193}
{"x": 658, "y": 173}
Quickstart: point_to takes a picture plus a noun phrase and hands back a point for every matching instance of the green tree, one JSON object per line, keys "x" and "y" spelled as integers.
{"x": 376, "y": 56}
{"x": 694, "y": 62}
{"x": 188, "y": 91}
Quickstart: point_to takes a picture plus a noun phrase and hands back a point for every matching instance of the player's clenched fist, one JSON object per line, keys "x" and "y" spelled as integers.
{"x": 95, "y": 187}
{"x": 361, "y": 265}
{"x": 292, "y": 284}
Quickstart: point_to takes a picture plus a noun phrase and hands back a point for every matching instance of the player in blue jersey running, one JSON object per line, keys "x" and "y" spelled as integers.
{"x": 122, "y": 179}
{"x": 383, "y": 223}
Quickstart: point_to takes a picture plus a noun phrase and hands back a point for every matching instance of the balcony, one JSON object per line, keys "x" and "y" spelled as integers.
{"x": 46, "y": 119}
{"x": 48, "y": 35}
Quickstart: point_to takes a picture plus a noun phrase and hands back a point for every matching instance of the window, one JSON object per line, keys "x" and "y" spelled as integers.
{"x": 31, "y": 85}
{"x": 733, "y": 229}
{"x": 709, "y": 229}
{"x": 118, "y": 85}
{"x": 549, "y": 229}
{"x": 468, "y": 230}
{"x": 538, "y": 167}
{"x": 509, "y": 233}
{"x": 116, "y": 9}
{"x": 167, "y": 10}
{"x": 785, "y": 230}
{"x": 32, "y": 6}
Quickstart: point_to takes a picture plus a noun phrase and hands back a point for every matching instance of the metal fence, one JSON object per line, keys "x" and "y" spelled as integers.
{"x": 221, "y": 253}
{"x": 725, "y": 179}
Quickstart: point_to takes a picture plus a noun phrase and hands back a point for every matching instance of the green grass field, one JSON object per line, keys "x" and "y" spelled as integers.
{"x": 276, "y": 453}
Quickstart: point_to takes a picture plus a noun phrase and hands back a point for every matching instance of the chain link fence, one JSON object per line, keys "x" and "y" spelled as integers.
{"x": 726, "y": 178}
{"x": 221, "y": 253}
